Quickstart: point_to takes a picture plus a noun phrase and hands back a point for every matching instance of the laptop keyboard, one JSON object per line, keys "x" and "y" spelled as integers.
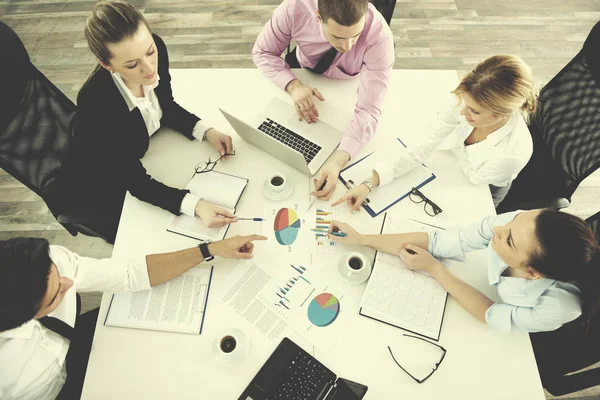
{"x": 303, "y": 377}
{"x": 291, "y": 139}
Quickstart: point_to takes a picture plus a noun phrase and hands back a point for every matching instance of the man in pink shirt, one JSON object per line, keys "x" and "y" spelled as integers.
{"x": 364, "y": 45}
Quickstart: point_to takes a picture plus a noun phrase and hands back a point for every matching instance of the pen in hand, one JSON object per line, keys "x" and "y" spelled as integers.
{"x": 336, "y": 233}
{"x": 249, "y": 219}
{"x": 315, "y": 198}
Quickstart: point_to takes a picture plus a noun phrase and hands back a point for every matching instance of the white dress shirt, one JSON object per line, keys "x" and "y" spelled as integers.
{"x": 33, "y": 357}
{"x": 527, "y": 305}
{"x": 151, "y": 111}
{"x": 497, "y": 160}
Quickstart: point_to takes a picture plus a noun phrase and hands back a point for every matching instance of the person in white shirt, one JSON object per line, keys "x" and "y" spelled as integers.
{"x": 126, "y": 99}
{"x": 544, "y": 263}
{"x": 44, "y": 343}
{"x": 487, "y": 131}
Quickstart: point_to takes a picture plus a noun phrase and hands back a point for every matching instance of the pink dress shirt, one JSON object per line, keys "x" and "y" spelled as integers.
{"x": 372, "y": 57}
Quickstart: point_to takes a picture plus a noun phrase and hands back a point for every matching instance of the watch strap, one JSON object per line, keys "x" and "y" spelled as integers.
{"x": 205, "y": 252}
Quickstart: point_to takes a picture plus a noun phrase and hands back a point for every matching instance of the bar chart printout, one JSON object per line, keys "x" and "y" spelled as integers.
{"x": 285, "y": 292}
{"x": 323, "y": 218}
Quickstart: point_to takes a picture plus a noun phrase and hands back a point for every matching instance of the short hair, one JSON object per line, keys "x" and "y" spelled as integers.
{"x": 344, "y": 12}
{"x": 24, "y": 269}
{"x": 110, "y": 23}
{"x": 502, "y": 85}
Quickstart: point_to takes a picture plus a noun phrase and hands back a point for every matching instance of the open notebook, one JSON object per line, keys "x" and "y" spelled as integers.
{"x": 400, "y": 297}
{"x": 383, "y": 197}
{"x": 214, "y": 187}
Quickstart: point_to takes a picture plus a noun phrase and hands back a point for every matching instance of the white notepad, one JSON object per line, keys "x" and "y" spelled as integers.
{"x": 383, "y": 197}
{"x": 400, "y": 297}
{"x": 214, "y": 187}
{"x": 178, "y": 305}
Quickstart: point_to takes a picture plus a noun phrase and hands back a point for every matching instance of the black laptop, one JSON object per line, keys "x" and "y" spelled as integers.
{"x": 293, "y": 374}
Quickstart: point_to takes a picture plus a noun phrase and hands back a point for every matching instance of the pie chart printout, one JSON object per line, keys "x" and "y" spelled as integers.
{"x": 286, "y": 226}
{"x": 323, "y": 309}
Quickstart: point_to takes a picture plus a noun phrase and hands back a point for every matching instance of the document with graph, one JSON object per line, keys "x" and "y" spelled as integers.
{"x": 400, "y": 297}
{"x": 383, "y": 197}
{"x": 276, "y": 293}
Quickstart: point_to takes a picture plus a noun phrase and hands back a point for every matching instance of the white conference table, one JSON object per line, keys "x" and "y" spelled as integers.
{"x": 139, "y": 364}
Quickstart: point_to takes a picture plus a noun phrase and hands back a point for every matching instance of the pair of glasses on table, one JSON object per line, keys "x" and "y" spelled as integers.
{"x": 430, "y": 207}
{"x": 207, "y": 166}
{"x": 437, "y": 364}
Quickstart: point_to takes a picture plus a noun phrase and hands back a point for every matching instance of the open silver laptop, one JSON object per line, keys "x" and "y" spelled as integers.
{"x": 277, "y": 131}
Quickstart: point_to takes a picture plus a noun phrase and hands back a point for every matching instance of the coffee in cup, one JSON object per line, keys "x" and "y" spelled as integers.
{"x": 355, "y": 263}
{"x": 228, "y": 344}
{"x": 354, "y": 267}
{"x": 277, "y": 182}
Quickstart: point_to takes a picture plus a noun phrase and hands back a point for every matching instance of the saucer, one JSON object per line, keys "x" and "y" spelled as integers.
{"x": 270, "y": 194}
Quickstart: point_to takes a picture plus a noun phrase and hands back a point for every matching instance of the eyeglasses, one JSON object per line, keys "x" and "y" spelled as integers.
{"x": 430, "y": 207}
{"x": 207, "y": 166}
{"x": 436, "y": 364}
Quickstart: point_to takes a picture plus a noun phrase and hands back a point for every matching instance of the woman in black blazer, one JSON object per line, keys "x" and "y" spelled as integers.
{"x": 125, "y": 100}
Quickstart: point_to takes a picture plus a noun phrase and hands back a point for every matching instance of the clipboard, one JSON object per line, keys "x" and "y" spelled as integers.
{"x": 349, "y": 184}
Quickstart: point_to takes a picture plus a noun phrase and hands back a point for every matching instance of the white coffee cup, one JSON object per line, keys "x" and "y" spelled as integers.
{"x": 354, "y": 267}
{"x": 230, "y": 347}
{"x": 277, "y": 182}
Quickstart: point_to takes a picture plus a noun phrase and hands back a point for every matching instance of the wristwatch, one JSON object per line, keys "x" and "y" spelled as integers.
{"x": 368, "y": 185}
{"x": 205, "y": 253}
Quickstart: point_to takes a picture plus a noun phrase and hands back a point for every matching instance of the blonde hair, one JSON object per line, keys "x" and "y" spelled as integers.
{"x": 502, "y": 85}
{"x": 111, "y": 22}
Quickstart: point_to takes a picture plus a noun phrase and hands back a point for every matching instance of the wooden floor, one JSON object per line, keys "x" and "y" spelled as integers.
{"x": 429, "y": 34}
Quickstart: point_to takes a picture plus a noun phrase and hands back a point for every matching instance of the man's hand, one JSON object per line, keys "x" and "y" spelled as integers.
{"x": 238, "y": 247}
{"x": 220, "y": 141}
{"x": 212, "y": 215}
{"x": 354, "y": 197}
{"x": 303, "y": 100}
{"x": 330, "y": 172}
{"x": 418, "y": 259}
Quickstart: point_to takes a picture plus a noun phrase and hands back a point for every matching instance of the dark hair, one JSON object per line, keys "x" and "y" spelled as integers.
{"x": 111, "y": 22}
{"x": 24, "y": 268}
{"x": 344, "y": 12}
{"x": 568, "y": 251}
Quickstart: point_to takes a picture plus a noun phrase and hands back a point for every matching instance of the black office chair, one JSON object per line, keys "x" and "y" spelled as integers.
{"x": 386, "y": 8}
{"x": 569, "y": 349}
{"x": 36, "y": 125}
{"x": 566, "y": 135}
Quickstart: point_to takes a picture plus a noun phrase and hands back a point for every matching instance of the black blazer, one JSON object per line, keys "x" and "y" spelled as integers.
{"x": 104, "y": 160}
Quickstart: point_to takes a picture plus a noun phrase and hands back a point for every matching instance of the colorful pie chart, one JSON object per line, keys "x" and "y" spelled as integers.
{"x": 286, "y": 226}
{"x": 323, "y": 309}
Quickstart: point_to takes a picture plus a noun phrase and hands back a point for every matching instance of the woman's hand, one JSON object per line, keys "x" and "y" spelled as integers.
{"x": 352, "y": 237}
{"x": 354, "y": 197}
{"x": 417, "y": 259}
{"x": 214, "y": 216}
{"x": 220, "y": 141}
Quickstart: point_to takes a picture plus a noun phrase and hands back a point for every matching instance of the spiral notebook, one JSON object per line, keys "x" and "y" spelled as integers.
{"x": 383, "y": 197}
{"x": 397, "y": 296}
{"x": 214, "y": 187}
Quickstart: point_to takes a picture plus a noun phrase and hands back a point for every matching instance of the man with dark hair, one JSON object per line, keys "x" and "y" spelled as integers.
{"x": 339, "y": 39}
{"x": 44, "y": 342}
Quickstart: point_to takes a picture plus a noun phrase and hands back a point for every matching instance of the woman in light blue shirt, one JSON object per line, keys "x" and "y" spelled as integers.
{"x": 545, "y": 265}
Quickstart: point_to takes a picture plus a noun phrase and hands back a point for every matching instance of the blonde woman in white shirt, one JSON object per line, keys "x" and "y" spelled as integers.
{"x": 486, "y": 131}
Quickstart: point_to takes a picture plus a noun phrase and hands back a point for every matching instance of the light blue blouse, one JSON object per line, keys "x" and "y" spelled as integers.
{"x": 527, "y": 305}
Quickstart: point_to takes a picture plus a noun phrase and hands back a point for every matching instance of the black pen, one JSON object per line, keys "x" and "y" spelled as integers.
{"x": 315, "y": 199}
